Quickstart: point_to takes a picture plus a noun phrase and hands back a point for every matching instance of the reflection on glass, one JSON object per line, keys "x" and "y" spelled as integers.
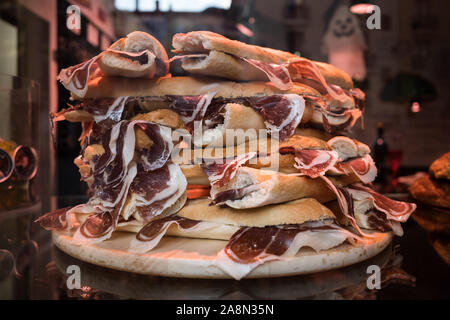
{"x": 6, "y": 264}
{"x": 19, "y": 141}
{"x": 345, "y": 283}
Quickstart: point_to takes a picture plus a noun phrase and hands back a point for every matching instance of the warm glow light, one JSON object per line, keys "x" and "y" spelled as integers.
{"x": 244, "y": 30}
{"x": 362, "y": 8}
{"x": 415, "y": 107}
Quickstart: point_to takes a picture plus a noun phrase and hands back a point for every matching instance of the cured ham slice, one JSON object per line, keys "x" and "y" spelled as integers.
{"x": 86, "y": 128}
{"x": 150, "y": 235}
{"x": 364, "y": 168}
{"x": 189, "y": 56}
{"x": 159, "y": 153}
{"x": 333, "y": 124}
{"x": 233, "y": 194}
{"x": 306, "y": 69}
{"x": 142, "y": 57}
{"x": 282, "y": 113}
{"x": 76, "y": 78}
{"x": 250, "y": 247}
{"x": 112, "y": 109}
{"x": 358, "y": 96}
{"x": 109, "y": 173}
{"x": 345, "y": 204}
{"x": 153, "y": 192}
{"x": 220, "y": 173}
{"x": 58, "y": 220}
{"x": 100, "y": 225}
{"x": 119, "y": 145}
{"x": 314, "y": 163}
{"x": 192, "y": 108}
{"x": 114, "y": 172}
{"x": 378, "y": 220}
{"x": 395, "y": 210}
{"x": 278, "y": 74}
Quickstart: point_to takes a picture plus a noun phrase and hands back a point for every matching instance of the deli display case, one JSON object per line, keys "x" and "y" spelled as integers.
{"x": 224, "y": 150}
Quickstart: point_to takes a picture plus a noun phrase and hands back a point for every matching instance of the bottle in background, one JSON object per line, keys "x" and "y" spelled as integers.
{"x": 380, "y": 152}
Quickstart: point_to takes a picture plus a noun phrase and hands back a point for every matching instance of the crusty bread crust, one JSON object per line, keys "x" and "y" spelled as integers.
{"x": 164, "y": 117}
{"x": 113, "y": 64}
{"x": 334, "y": 75}
{"x": 137, "y": 41}
{"x": 262, "y": 146}
{"x": 217, "y": 64}
{"x": 200, "y": 41}
{"x": 238, "y": 116}
{"x": 113, "y": 87}
{"x": 294, "y": 212}
{"x": 195, "y": 175}
{"x": 275, "y": 187}
{"x": 223, "y": 65}
{"x": 313, "y": 133}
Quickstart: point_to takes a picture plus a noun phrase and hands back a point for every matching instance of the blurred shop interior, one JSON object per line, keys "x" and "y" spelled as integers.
{"x": 402, "y": 67}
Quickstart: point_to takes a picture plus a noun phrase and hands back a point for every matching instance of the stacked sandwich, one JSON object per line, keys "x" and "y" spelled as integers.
{"x": 249, "y": 148}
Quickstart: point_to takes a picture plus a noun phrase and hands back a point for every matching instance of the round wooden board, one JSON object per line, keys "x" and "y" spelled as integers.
{"x": 195, "y": 258}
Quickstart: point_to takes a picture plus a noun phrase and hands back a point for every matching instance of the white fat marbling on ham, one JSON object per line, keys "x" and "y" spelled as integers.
{"x": 251, "y": 247}
{"x": 189, "y": 56}
{"x": 278, "y": 74}
{"x": 62, "y": 220}
{"x": 151, "y": 234}
{"x": 394, "y": 210}
{"x": 100, "y": 225}
{"x": 374, "y": 219}
{"x": 345, "y": 204}
{"x": 112, "y": 181}
{"x": 364, "y": 168}
{"x": 155, "y": 157}
{"x": 314, "y": 163}
{"x": 200, "y": 109}
{"x": 282, "y": 113}
{"x": 306, "y": 69}
{"x": 296, "y": 107}
{"x": 114, "y": 111}
{"x": 76, "y": 78}
{"x": 220, "y": 173}
{"x": 151, "y": 195}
